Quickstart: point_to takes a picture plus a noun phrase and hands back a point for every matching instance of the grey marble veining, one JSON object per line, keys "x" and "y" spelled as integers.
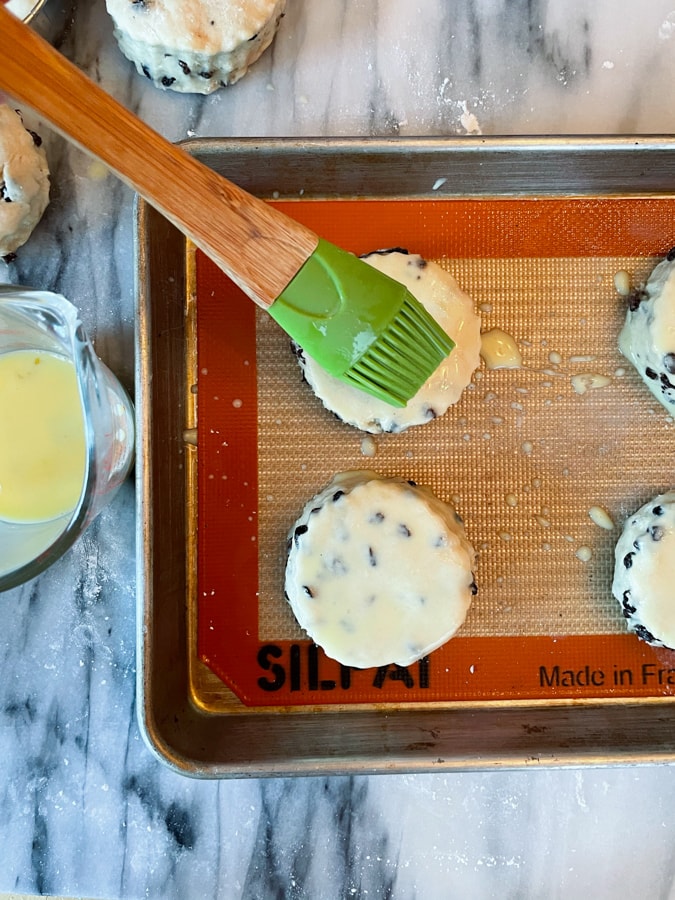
{"x": 86, "y": 808}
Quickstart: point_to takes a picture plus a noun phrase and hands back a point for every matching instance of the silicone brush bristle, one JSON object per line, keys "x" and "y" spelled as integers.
{"x": 361, "y": 325}
{"x": 403, "y": 357}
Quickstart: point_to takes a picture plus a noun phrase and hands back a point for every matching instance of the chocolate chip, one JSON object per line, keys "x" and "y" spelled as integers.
{"x": 37, "y": 140}
{"x": 253, "y": 38}
{"x": 636, "y": 297}
{"x": 167, "y": 80}
{"x": 3, "y": 193}
{"x": 337, "y": 495}
{"x": 657, "y": 510}
{"x": 377, "y": 517}
{"x": 404, "y": 530}
{"x": 650, "y": 373}
{"x": 666, "y": 382}
{"x": 670, "y": 256}
{"x": 184, "y": 66}
{"x": 372, "y": 559}
{"x": 412, "y": 483}
{"x": 628, "y": 608}
{"x": 644, "y": 634}
{"x": 206, "y": 74}
{"x": 146, "y": 72}
{"x": 474, "y": 588}
{"x": 9, "y": 257}
{"x": 430, "y": 414}
{"x": 299, "y": 531}
{"x": 628, "y": 560}
{"x": 386, "y": 252}
{"x": 307, "y": 589}
{"x": 656, "y": 532}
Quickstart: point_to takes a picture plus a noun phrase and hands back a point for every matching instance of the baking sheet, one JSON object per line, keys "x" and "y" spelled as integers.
{"x": 524, "y": 456}
{"x": 502, "y": 441}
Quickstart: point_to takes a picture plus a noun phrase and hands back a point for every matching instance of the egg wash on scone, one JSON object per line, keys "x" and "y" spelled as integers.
{"x": 379, "y": 570}
{"x": 644, "y": 573}
{"x": 648, "y": 335}
{"x": 440, "y": 294}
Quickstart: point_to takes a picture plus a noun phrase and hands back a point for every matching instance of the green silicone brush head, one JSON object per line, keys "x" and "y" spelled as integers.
{"x": 402, "y": 358}
{"x": 361, "y": 326}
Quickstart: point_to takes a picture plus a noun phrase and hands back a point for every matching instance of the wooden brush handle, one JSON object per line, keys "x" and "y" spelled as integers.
{"x": 257, "y": 246}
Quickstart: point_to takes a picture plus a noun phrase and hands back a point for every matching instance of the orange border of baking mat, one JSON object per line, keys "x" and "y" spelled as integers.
{"x": 297, "y": 672}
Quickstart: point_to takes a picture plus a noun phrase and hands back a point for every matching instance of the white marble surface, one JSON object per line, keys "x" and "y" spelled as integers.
{"x": 85, "y": 808}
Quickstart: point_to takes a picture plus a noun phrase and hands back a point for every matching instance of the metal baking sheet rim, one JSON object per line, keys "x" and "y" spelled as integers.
{"x": 443, "y": 737}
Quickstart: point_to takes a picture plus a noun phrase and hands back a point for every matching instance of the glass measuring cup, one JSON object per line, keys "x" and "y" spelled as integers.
{"x": 47, "y": 17}
{"x": 66, "y": 432}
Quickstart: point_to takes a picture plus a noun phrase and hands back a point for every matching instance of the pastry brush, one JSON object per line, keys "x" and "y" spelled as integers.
{"x": 357, "y": 323}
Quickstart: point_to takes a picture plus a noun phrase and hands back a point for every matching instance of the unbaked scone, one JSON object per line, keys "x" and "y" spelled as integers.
{"x": 379, "y": 570}
{"x": 24, "y": 181}
{"x": 194, "y": 46}
{"x": 648, "y": 335}
{"x": 454, "y": 311}
{"x": 644, "y": 572}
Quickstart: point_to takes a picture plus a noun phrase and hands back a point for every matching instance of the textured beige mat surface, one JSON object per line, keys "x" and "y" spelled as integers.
{"x": 523, "y": 454}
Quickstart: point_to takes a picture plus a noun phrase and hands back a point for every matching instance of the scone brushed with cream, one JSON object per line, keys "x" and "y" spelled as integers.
{"x": 379, "y": 570}
{"x": 24, "y": 181}
{"x": 194, "y": 46}
{"x": 648, "y": 335}
{"x": 454, "y": 311}
{"x": 644, "y": 573}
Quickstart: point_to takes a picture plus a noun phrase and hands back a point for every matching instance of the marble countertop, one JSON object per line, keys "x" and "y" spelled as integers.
{"x": 87, "y": 809}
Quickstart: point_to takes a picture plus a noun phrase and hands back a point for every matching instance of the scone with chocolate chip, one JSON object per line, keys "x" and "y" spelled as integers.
{"x": 644, "y": 571}
{"x": 194, "y": 46}
{"x": 24, "y": 181}
{"x": 648, "y": 335}
{"x": 454, "y": 311}
{"x": 379, "y": 570}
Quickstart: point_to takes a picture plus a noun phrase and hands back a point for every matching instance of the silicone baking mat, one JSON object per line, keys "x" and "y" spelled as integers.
{"x": 525, "y": 455}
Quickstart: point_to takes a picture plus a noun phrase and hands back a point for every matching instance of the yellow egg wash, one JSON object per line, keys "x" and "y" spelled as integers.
{"x": 42, "y": 441}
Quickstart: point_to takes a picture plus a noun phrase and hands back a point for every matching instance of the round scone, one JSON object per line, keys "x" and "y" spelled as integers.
{"x": 379, "y": 570}
{"x": 647, "y": 338}
{"x": 194, "y": 46}
{"x": 440, "y": 294}
{"x": 24, "y": 181}
{"x": 644, "y": 571}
